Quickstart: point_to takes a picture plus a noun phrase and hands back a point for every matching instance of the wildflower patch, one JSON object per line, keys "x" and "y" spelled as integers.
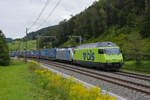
{"x": 67, "y": 88}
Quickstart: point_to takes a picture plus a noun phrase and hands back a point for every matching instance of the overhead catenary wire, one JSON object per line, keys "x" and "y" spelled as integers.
{"x": 36, "y": 20}
{"x": 40, "y": 14}
{"x": 19, "y": 46}
{"x": 49, "y": 15}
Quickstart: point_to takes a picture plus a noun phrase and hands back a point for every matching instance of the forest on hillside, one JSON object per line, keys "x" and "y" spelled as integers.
{"x": 124, "y": 22}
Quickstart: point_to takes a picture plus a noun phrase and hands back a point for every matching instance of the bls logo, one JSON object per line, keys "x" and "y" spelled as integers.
{"x": 89, "y": 55}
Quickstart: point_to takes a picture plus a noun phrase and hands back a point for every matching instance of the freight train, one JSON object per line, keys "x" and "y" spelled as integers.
{"x": 102, "y": 55}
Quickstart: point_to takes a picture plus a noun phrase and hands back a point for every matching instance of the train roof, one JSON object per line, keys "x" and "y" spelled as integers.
{"x": 62, "y": 49}
{"x": 97, "y": 45}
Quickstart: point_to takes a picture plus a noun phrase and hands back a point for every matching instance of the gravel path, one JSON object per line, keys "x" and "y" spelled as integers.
{"x": 126, "y": 93}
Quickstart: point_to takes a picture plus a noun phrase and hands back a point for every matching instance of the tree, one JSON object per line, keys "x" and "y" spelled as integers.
{"x": 147, "y": 2}
{"x": 146, "y": 24}
{"x": 4, "y": 51}
{"x": 95, "y": 20}
{"x": 136, "y": 47}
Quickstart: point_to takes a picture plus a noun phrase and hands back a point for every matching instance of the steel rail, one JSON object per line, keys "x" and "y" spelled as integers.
{"x": 92, "y": 74}
{"x": 138, "y": 84}
{"x": 145, "y": 76}
{"x": 133, "y": 76}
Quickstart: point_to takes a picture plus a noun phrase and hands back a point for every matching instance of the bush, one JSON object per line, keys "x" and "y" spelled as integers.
{"x": 33, "y": 65}
{"x": 4, "y": 51}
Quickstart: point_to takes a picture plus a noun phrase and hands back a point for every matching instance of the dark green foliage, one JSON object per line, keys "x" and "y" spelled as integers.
{"x": 146, "y": 24}
{"x": 4, "y": 52}
{"x": 95, "y": 20}
{"x": 105, "y": 20}
{"x": 136, "y": 47}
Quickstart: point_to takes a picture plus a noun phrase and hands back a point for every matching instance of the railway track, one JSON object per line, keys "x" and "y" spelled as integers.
{"x": 134, "y": 75}
{"x": 139, "y": 87}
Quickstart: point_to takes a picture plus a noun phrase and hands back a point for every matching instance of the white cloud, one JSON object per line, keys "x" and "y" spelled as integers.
{"x": 16, "y": 15}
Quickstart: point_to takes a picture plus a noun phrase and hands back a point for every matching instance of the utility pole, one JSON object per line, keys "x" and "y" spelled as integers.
{"x": 80, "y": 37}
{"x": 39, "y": 37}
{"x": 26, "y": 45}
{"x": 38, "y": 45}
{"x": 38, "y": 40}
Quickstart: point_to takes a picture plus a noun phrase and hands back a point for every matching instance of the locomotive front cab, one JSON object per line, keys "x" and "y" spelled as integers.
{"x": 112, "y": 56}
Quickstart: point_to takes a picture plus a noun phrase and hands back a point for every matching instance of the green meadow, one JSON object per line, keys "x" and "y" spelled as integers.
{"x": 16, "y": 83}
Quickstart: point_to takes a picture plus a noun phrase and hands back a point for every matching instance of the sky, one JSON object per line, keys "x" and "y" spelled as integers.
{"x": 17, "y": 15}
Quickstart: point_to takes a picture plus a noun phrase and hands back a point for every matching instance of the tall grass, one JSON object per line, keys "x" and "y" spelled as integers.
{"x": 15, "y": 84}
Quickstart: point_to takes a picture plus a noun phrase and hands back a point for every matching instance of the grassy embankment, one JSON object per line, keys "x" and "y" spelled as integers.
{"x": 144, "y": 67}
{"x": 16, "y": 44}
{"x": 21, "y": 81}
{"x": 15, "y": 83}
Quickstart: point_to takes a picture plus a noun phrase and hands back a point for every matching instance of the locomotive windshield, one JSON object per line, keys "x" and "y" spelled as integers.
{"x": 112, "y": 51}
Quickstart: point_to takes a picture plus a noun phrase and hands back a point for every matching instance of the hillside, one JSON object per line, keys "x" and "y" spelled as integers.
{"x": 19, "y": 46}
{"x": 124, "y": 22}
